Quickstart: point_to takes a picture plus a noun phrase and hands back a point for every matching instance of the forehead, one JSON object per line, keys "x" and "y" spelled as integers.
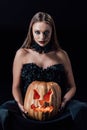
{"x": 41, "y": 26}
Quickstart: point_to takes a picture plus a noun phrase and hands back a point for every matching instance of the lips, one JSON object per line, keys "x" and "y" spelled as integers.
{"x": 41, "y": 42}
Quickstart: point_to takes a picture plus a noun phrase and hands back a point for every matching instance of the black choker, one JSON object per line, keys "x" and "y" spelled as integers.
{"x": 47, "y": 48}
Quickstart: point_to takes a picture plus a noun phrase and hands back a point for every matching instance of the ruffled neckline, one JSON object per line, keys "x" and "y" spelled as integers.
{"x": 47, "y": 48}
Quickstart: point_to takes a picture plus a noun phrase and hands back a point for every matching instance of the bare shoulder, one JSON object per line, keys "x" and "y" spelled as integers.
{"x": 20, "y": 54}
{"x": 63, "y": 55}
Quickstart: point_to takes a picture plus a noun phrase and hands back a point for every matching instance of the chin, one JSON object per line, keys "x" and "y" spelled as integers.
{"x": 42, "y": 45}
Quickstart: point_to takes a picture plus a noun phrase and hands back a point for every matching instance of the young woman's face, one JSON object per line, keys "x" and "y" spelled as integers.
{"x": 41, "y": 33}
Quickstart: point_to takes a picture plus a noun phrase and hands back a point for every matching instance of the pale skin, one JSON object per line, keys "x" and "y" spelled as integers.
{"x": 42, "y": 35}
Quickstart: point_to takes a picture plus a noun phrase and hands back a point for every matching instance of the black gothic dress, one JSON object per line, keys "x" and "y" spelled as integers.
{"x": 11, "y": 117}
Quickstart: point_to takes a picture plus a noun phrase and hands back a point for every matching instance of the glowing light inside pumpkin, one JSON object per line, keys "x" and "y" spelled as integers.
{"x": 44, "y": 104}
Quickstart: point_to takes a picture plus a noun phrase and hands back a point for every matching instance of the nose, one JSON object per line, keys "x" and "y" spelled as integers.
{"x": 42, "y": 36}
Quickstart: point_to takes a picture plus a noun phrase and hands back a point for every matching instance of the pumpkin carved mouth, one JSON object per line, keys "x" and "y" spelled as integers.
{"x": 44, "y": 104}
{"x": 42, "y": 109}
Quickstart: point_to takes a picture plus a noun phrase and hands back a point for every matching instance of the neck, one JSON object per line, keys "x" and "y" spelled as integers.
{"x": 47, "y": 48}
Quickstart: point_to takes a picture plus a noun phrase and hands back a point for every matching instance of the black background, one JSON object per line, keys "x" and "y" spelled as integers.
{"x": 71, "y": 25}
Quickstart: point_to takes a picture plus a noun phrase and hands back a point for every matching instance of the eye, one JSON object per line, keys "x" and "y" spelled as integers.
{"x": 37, "y": 32}
{"x": 46, "y": 33}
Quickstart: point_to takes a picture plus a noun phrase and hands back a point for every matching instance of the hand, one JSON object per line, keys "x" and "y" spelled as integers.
{"x": 21, "y": 107}
{"x": 63, "y": 104}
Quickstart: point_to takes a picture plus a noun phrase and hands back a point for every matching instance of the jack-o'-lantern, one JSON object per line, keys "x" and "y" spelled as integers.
{"x": 42, "y": 100}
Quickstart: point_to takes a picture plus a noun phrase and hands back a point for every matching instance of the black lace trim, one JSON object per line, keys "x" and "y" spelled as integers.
{"x": 47, "y": 48}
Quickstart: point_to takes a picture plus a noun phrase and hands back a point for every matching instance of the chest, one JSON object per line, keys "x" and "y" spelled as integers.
{"x": 42, "y": 60}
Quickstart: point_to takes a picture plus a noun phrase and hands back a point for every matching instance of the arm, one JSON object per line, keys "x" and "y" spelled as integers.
{"x": 70, "y": 79}
{"x": 17, "y": 66}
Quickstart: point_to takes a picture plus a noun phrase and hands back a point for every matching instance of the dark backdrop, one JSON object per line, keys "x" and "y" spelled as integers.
{"x": 71, "y": 24}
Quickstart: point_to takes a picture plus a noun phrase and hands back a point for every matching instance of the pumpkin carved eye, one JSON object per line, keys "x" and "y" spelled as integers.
{"x": 42, "y": 100}
{"x": 36, "y": 94}
{"x": 47, "y": 96}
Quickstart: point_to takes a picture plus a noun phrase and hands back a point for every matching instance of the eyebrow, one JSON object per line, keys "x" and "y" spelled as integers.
{"x": 43, "y": 31}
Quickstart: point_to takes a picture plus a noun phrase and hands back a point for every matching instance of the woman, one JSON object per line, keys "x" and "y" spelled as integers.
{"x": 41, "y": 58}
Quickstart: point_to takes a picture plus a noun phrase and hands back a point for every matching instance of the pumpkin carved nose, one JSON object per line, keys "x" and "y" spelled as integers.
{"x": 43, "y": 103}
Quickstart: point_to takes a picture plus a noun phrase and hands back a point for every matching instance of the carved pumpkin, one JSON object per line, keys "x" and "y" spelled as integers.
{"x": 42, "y": 100}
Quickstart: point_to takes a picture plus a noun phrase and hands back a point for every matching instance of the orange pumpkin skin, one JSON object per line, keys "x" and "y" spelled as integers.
{"x": 42, "y": 100}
